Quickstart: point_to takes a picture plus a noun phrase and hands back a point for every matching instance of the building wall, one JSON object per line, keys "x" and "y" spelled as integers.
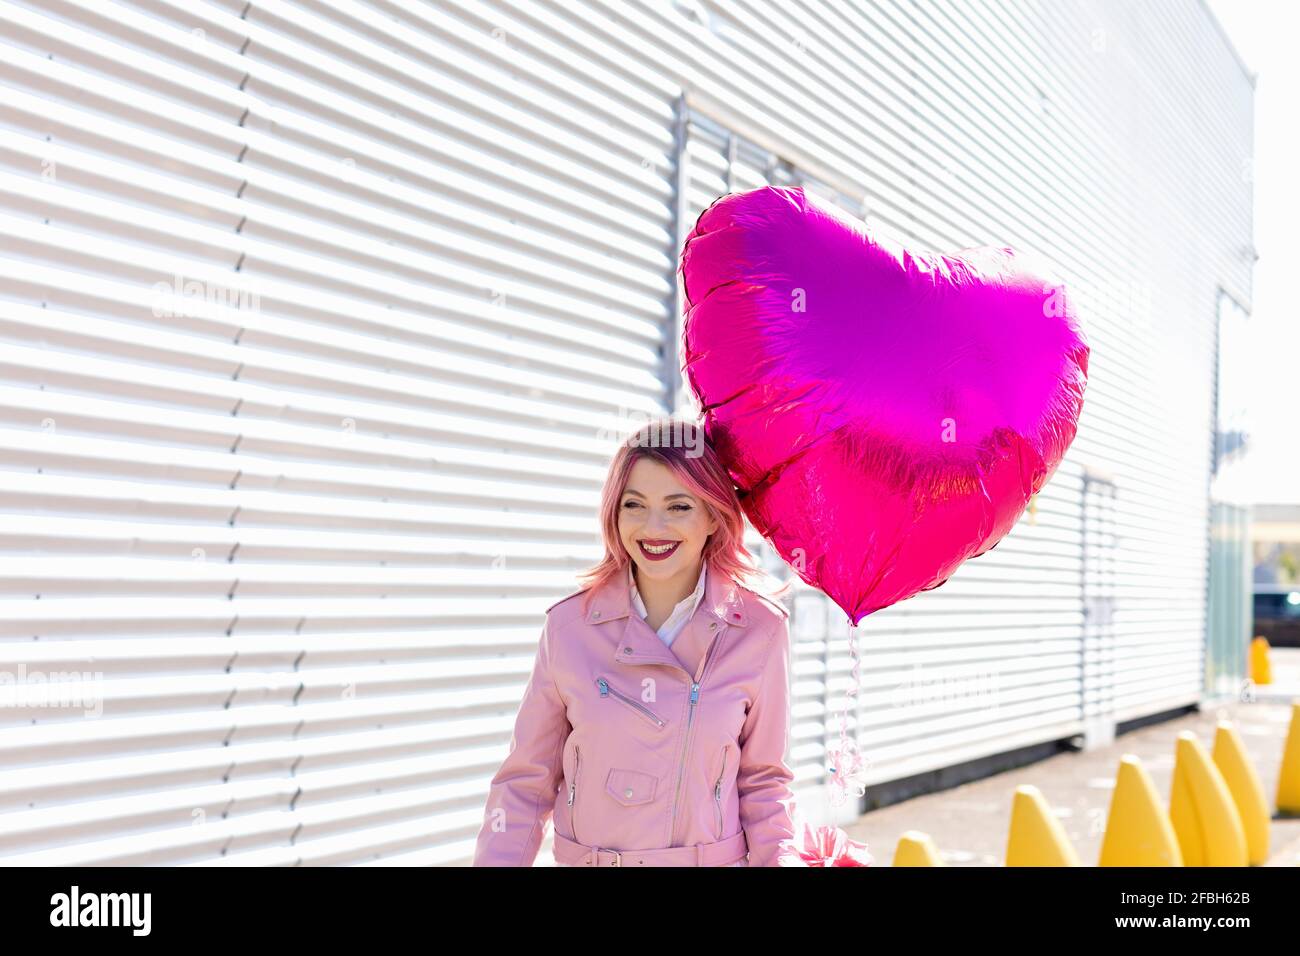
{"x": 321, "y": 320}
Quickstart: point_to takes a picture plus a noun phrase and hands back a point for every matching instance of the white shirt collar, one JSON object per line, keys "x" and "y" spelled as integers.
{"x": 672, "y": 626}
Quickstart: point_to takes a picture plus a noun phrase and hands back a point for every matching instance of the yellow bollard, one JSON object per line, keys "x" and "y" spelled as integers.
{"x": 1261, "y": 669}
{"x": 1247, "y": 792}
{"x": 1288, "y": 778}
{"x": 916, "y": 849}
{"x": 1138, "y": 831}
{"x": 1037, "y": 837}
{"x": 1209, "y": 828}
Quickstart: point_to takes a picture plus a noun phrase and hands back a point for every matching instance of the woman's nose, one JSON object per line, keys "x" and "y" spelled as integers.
{"x": 655, "y": 522}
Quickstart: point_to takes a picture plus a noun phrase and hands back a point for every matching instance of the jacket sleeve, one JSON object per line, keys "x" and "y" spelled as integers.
{"x": 522, "y": 794}
{"x": 767, "y": 809}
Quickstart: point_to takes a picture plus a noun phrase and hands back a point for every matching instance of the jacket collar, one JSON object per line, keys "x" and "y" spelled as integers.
{"x": 721, "y": 605}
{"x": 722, "y": 600}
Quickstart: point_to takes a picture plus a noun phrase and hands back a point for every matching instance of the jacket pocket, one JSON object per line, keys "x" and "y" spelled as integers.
{"x": 573, "y": 793}
{"x": 640, "y": 708}
{"x": 717, "y": 790}
{"x": 631, "y": 787}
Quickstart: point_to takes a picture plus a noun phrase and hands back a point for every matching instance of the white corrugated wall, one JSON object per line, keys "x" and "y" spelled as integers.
{"x": 320, "y": 319}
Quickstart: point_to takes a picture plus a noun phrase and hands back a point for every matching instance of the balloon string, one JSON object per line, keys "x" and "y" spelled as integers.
{"x": 848, "y": 769}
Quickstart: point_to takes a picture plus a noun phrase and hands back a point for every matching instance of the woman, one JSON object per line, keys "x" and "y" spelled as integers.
{"x": 654, "y": 726}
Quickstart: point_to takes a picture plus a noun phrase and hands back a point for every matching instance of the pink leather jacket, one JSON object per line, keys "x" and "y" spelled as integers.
{"x": 645, "y": 755}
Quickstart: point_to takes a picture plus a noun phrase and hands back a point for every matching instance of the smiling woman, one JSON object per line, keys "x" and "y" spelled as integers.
{"x": 655, "y": 724}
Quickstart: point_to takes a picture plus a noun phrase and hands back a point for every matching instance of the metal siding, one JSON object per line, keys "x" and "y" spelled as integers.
{"x": 333, "y": 505}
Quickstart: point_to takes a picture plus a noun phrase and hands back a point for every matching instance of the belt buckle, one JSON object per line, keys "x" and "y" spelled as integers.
{"x": 597, "y": 851}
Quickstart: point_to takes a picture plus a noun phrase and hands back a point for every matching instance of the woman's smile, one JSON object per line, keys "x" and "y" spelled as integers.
{"x": 657, "y": 550}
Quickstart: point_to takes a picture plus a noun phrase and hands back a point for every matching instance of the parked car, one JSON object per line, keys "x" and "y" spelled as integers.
{"x": 1277, "y": 614}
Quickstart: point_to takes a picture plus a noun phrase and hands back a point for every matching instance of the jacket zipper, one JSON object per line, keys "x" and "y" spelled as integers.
{"x": 690, "y": 717}
{"x": 606, "y": 690}
{"x": 573, "y": 789}
{"x": 681, "y": 770}
{"x": 717, "y": 791}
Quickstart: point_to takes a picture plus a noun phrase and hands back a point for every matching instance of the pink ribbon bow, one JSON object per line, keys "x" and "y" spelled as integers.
{"x": 823, "y": 846}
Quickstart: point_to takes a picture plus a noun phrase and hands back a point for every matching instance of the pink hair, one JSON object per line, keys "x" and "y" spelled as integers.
{"x": 685, "y": 450}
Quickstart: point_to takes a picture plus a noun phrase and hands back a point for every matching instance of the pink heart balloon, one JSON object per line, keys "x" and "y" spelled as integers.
{"x": 885, "y": 414}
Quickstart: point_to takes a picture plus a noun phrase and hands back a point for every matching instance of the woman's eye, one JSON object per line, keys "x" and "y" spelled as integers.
{"x": 631, "y": 504}
{"x": 681, "y": 508}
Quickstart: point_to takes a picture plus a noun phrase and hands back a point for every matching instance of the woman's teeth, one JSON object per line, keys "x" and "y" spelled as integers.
{"x": 658, "y": 550}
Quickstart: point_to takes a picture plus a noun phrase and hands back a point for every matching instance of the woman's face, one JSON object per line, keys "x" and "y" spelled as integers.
{"x": 657, "y": 512}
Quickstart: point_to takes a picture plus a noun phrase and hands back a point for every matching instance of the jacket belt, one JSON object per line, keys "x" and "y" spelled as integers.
{"x": 720, "y": 853}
